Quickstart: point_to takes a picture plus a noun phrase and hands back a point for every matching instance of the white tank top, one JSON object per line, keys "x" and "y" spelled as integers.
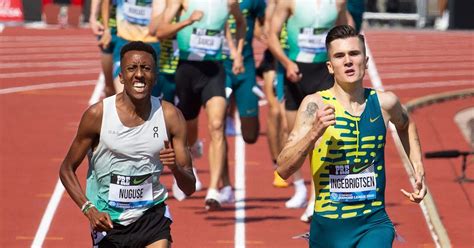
{"x": 125, "y": 169}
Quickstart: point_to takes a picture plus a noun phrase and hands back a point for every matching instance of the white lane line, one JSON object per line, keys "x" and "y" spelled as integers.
{"x": 449, "y": 83}
{"x": 99, "y": 88}
{"x": 239, "y": 238}
{"x": 430, "y": 74}
{"x": 46, "y": 86}
{"x": 61, "y": 64}
{"x": 51, "y": 73}
{"x": 53, "y": 202}
{"x": 29, "y": 57}
{"x": 35, "y": 50}
{"x": 68, "y": 38}
{"x": 377, "y": 84}
{"x": 426, "y": 67}
{"x": 52, "y": 43}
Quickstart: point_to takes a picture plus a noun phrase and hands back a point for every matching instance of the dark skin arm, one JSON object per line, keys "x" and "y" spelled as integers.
{"x": 176, "y": 155}
{"x": 86, "y": 138}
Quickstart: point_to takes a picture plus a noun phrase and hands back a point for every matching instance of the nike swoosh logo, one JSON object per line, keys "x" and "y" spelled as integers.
{"x": 139, "y": 181}
{"x": 357, "y": 169}
{"x": 374, "y": 119}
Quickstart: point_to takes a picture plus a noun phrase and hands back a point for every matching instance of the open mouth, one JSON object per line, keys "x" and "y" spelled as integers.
{"x": 139, "y": 86}
{"x": 350, "y": 72}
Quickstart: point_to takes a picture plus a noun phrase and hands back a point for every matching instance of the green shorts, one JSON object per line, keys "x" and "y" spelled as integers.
{"x": 118, "y": 47}
{"x": 165, "y": 87}
{"x": 241, "y": 85}
{"x": 367, "y": 231}
{"x": 280, "y": 82}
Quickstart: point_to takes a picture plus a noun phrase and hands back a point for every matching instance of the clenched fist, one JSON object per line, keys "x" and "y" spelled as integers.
{"x": 325, "y": 117}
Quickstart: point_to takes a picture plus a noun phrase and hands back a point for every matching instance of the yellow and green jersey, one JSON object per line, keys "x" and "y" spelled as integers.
{"x": 348, "y": 165}
{"x": 169, "y": 55}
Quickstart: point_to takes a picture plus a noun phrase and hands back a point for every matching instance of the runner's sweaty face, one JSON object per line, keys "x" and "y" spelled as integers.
{"x": 347, "y": 60}
{"x": 138, "y": 73}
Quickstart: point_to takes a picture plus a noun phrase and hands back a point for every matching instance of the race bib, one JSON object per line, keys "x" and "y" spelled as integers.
{"x": 351, "y": 183}
{"x": 312, "y": 40}
{"x": 130, "y": 191}
{"x": 137, "y": 11}
{"x": 206, "y": 41}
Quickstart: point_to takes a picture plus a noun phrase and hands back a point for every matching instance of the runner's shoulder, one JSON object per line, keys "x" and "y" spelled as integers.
{"x": 312, "y": 98}
{"x": 387, "y": 99}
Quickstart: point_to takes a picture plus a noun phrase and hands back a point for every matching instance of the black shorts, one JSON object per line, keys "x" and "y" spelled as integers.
{"x": 315, "y": 78}
{"x": 268, "y": 63}
{"x": 196, "y": 83}
{"x": 152, "y": 226}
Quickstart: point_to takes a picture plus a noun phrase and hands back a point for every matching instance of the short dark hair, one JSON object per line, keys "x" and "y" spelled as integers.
{"x": 137, "y": 46}
{"x": 343, "y": 32}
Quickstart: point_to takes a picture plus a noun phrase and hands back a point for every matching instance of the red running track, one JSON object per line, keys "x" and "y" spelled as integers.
{"x": 37, "y": 127}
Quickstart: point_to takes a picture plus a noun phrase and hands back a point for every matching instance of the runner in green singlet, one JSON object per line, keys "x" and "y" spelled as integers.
{"x": 200, "y": 76}
{"x": 308, "y": 22}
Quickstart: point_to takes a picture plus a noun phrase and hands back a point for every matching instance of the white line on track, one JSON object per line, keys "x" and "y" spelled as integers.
{"x": 42, "y": 44}
{"x": 67, "y": 38}
{"x": 428, "y": 74}
{"x": 426, "y": 67}
{"x": 56, "y": 196}
{"x": 46, "y": 86}
{"x": 450, "y": 83}
{"x": 239, "y": 238}
{"x": 377, "y": 84}
{"x": 56, "y": 64}
{"x": 46, "y": 49}
{"x": 29, "y": 57}
{"x": 51, "y": 73}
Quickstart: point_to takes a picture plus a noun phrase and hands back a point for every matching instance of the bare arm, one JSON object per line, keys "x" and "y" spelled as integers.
{"x": 165, "y": 27}
{"x": 106, "y": 37}
{"x": 105, "y": 10}
{"x": 280, "y": 15}
{"x": 311, "y": 123}
{"x": 260, "y": 22}
{"x": 97, "y": 27}
{"x": 271, "y": 4}
{"x": 342, "y": 12}
{"x": 87, "y": 136}
{"x": 408, "y": 134}
{"x": 240, "y": 23}
{"x": 178, "y": 160}
{"x": 158, "y": 6}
